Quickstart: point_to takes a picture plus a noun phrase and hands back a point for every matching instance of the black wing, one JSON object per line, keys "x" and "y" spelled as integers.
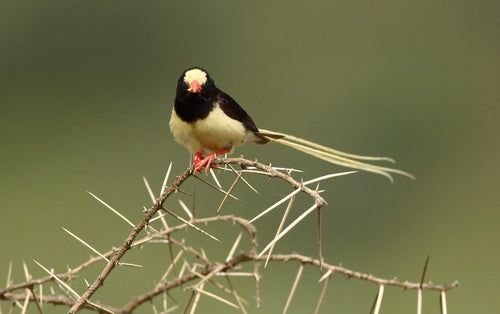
{"x": 234, "y": 111}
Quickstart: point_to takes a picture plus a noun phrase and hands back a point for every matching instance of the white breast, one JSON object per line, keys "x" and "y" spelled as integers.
{"x": 217, "y": 131}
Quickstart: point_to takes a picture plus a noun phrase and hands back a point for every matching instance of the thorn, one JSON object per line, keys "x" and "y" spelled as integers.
{"x": 190, "y": 224}
{"x": 287, "y": 229}
{"x": 325, "y": 276}
{"x": 112, "y": 209}
{"x": 233, "y": 248}
{"x": 215, "y": 187}
{"x": 296, "y": 191}
{"x": 322, "y": 295}
{"x": 229, "y": 191}
{"x": 378, "y": 300}
{"x": 216, "y": 297}
{"x": 425, "y": 271}
{"x": 280, "y": 227}
{"x": 295, "y": 284}
{"x": 148, "y": 188}
{"x": 328, "y": 176}
{"x": 76, "y": 295}
{"x": 86, "y": 244}
{"x": 243, "y": 179}
{"x": 186, "y": 209}
{"x": 164, "y": 185}
{"x": 442, "y": 301}
{"x": 9, "y": 275}
{"x": 212, "y": 172}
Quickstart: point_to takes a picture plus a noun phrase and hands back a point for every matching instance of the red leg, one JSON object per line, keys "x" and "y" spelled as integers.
{"x": 220, "y": 152}
{"x": 223, "y": 151}
{"x": 197, "y": 157}
{"x": 206, "y": 161}
{"x": 199, "y": 161}
{"x": 209, "y": 160}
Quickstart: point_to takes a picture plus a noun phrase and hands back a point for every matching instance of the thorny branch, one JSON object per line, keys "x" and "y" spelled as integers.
{"x": 210, "y": 269}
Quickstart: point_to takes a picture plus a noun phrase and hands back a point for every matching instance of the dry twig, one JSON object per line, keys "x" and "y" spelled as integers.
{"x": 212, "y": 272}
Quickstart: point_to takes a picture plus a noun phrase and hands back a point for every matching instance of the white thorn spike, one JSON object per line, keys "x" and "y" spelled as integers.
{"x": 166, "y": 178}
{"x": 282, "y": 234}
{"x": 296, "y": 191}
{"x": 112, "y": 209}
{"x": 86, "y": 244}
{"x": 329, "y": 176}
{"x": 76, "y": 295}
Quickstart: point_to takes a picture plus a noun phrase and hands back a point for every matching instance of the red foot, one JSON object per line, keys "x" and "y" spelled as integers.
{"x": 197, "y": 158}
{"x": 200, "y": 161}
{"x": 207, "y": 162}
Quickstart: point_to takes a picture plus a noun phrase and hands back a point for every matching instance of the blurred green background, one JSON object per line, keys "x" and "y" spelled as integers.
{"x": 86, "y": 94}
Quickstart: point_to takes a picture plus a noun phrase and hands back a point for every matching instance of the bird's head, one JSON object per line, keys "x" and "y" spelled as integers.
{"x": 195, "y": 81}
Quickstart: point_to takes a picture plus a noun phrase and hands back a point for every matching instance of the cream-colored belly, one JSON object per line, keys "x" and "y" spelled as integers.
{"x": 217, "y": 131}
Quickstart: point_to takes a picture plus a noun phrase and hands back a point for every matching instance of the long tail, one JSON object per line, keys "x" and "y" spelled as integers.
{"x": 333, "y": 156}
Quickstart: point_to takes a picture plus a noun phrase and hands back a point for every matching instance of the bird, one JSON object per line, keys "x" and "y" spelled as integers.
{"x": 208, "y": 122}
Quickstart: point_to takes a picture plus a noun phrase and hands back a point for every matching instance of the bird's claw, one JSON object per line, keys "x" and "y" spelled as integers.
{"x": 200, "y": 162}
{"x": 209, "y": 160}
{"x": 198, "y": 157}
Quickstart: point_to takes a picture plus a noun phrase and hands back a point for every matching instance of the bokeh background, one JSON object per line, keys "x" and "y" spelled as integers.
{"x": 86, "y": 94}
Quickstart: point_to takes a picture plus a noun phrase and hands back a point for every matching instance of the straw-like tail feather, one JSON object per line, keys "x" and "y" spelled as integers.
{"x": 333, "y": 156}
{"x": 264, "y": 138}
